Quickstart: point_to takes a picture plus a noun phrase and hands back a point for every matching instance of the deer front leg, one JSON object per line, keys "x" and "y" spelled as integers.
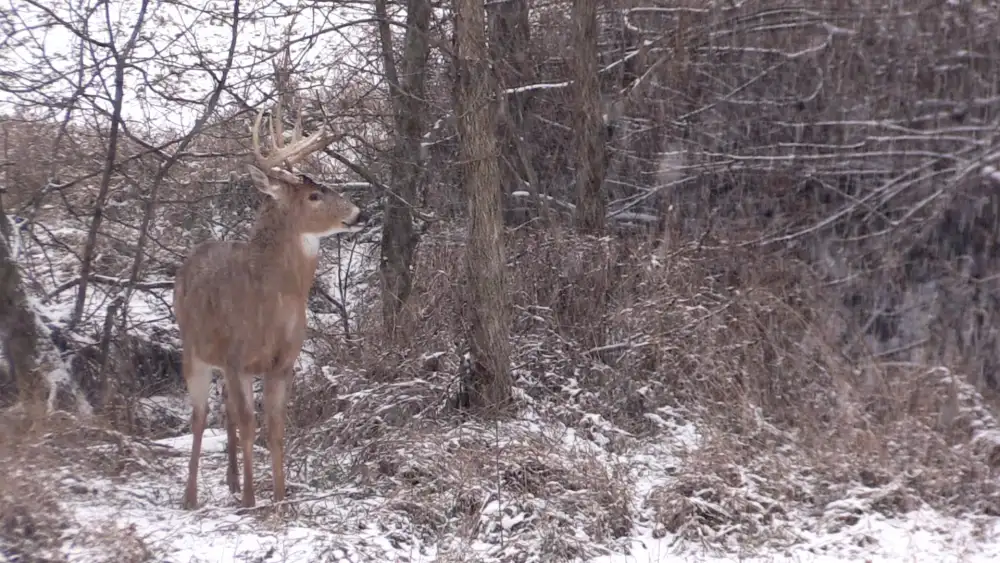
{"x": 275, "y": 404}
{"x": 248, "y": 428}
{"x": 198, "y": 376}
{"x": 240, "y": 388}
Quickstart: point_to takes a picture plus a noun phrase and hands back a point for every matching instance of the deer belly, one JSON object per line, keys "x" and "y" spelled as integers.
{"x": 280, "y": 350}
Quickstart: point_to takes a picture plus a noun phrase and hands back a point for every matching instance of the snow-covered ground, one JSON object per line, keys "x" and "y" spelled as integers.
{"x": 348, "y": 524}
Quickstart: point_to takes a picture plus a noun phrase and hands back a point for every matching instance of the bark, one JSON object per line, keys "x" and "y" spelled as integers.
{"x": 399, "y": 239}
{"x": 591, "y": 156}
{"x": 510, "y": 34}
{"x": 33, "y": 370}
{"x": 17, "y": 326}
{"x": 487, "y": 299}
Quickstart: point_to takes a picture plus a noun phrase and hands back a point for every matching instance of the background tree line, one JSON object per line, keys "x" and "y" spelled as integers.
{"x": 853, "y": 143}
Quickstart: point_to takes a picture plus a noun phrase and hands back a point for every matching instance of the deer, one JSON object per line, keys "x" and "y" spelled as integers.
{"x": 241, "y": 305}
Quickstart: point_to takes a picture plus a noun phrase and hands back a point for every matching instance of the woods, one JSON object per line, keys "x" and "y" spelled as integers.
{"x": 770, "y": 225}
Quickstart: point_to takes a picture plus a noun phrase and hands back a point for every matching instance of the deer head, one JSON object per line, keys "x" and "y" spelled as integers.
{"x": 313, "y": 209}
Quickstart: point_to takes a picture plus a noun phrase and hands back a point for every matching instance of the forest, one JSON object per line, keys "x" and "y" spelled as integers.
{"x": 638, "y": 280}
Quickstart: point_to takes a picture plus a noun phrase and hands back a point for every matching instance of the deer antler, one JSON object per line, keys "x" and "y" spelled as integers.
{"x": 280, "y": 153}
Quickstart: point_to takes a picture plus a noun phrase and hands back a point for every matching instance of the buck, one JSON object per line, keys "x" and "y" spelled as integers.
{"x": 241, "y": 306}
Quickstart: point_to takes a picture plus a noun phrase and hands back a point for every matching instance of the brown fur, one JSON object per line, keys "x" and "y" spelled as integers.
{"x": 241, "y": 308}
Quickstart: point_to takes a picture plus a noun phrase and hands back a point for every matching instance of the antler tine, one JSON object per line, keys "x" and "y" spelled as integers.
{"x": 277, "y": 138}
{"x": 297, "y": 131}
{"x": 280, "y": 117}
{"x": 255, "y": 138}
{"x": 291, "y": 153}
{"x": 274, "y": 158}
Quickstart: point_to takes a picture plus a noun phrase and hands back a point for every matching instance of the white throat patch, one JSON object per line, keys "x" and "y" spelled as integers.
{"x": 310, "y": 245}
{"x": 310, "y": 241}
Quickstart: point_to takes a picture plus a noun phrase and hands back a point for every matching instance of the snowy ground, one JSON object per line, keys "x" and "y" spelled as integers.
{"x": 346, "y": 525}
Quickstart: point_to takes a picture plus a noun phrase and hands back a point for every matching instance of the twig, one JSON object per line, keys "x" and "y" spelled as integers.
{"x": 108, "y": 280}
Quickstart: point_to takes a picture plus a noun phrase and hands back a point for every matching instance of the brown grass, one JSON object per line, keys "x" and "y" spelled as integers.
{"x": 516, "y": 488}
{"x": 32, "y": 522}
{"x": 37, "y": 454}
{"x": 745, "y": 343}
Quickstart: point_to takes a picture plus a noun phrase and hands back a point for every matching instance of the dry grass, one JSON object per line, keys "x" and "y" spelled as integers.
{"x": 759, "y": 346}
{"x": 607, "y": 333}
{"x": 32, "y": 523}
{"x": 37, "y": 454}
{"x": 515, "y": 486}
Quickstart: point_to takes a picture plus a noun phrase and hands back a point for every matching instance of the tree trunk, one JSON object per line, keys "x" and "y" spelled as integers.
{"x": 590, "y": 130}
{"x": 33, "y": 370}
{"x": 510, "y": 34}
{"x": 399, "y": 240}
{"x": 488, "y": 299}
{"x": 17, "y": 326}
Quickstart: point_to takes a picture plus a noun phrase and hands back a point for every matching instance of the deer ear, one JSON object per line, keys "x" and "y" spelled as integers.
{"x": 262, "y": 182}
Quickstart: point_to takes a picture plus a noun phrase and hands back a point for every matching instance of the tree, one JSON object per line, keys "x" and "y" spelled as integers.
{"x": 35, "y": 371}
{"x": 590, "y": 131}
{"x": 17, "y": 328}
{"x": 122, "y": 59}
{"x": 399, "y": 240}
{"x": 510, "y": 38}
{"x": 489, "y": 304}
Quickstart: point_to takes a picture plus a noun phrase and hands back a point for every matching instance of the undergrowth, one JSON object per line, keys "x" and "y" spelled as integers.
{"x": 43, "y": 457}
{"x": 617, "y": 343}
{"x": 616, "y": 346}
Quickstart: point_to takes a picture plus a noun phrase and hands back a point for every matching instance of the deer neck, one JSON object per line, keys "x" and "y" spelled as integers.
{"x": 281, "y": 254}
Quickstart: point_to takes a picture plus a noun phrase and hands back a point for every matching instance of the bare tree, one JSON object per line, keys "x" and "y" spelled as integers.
{"x": 590, "y": 149}
{"x": 17, "y": 330}
{"x": 164, "y": 168}
{"x": 489, "y": 302}
{"x": 121, "y": 58}
{"x": 34, "y": 371}
{"x": 510, "y": 36}
{"x": 399, "y": 240}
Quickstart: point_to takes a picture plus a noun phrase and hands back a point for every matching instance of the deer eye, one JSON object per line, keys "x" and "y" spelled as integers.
{"x": 315, "y": 196}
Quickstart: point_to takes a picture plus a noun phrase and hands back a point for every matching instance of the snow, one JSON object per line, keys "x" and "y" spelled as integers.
{"x": 923, "y": 535}
{"x": 340, "y": 524}
{"x": 214, "y": 440}
{"x": 344, "y": 522}
{"x": 992, "y": 173}
{"x": 149, "y": 505}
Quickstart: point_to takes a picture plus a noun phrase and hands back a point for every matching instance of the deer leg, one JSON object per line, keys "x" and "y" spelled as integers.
{"x": 244, "y": 405}
{"x": 240, "y": 389}
{"x": 198, "y": 376}
{"x": 231, "y": 412}
{"x": 275, "y": 403}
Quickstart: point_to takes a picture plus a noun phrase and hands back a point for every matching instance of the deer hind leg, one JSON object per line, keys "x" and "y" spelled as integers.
{"x": 240, "y": 388}
{"x": 232, "y": 475}
{"x": 198, "y": 376}
{"x": 275, "y": 402}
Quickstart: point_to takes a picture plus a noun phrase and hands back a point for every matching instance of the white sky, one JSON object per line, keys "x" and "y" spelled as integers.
{"x": 167, "y": 48}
